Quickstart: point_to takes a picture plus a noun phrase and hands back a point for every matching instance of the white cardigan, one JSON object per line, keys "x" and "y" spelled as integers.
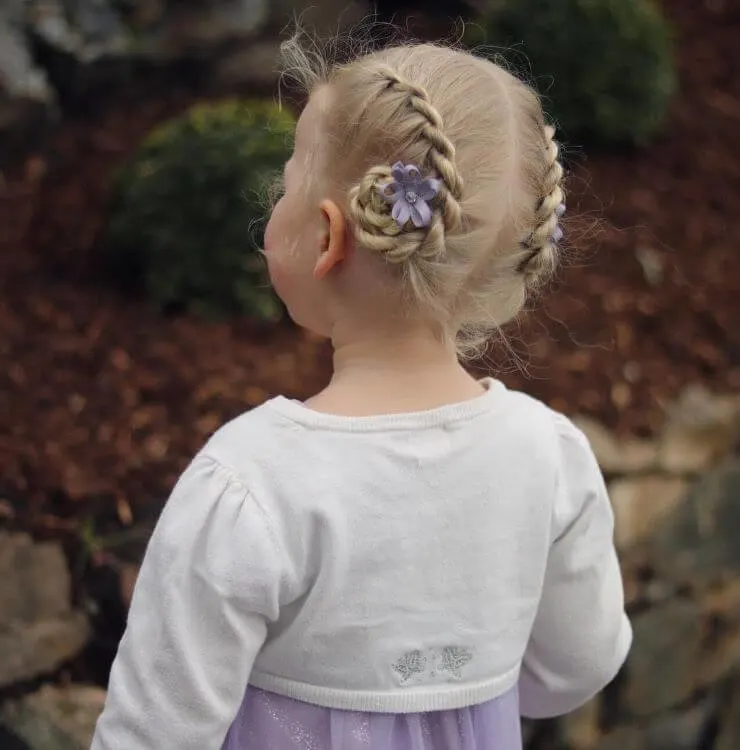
{"x": 402, "y": 563}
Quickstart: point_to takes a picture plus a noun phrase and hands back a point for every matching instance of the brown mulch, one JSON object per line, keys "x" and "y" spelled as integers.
{"x": 103, "y": 401}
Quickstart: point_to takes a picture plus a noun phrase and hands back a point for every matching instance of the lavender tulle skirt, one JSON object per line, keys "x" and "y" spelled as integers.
{"x": 272, "y": 722}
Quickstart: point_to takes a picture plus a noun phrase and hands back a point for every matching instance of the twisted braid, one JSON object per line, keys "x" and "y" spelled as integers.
{"x": 376, "y": 228}
{"x": 540, "y": 246}
{"x": 442, "y": 151}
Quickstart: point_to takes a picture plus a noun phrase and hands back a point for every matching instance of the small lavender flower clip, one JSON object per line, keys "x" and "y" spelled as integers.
{"x": 409, "y": 193}
{"x": 557, "y": 234}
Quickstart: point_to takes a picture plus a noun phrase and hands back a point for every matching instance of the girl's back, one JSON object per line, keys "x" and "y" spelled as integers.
{"x": 413, "y": 558}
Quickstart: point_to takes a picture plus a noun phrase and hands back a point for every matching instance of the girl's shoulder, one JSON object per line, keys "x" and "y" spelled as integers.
{"x": 251, "y": 433}
{"x": 282, "y": 432}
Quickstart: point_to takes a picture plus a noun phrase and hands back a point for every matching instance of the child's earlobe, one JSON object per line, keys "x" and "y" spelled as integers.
{"x": 334, "y": 239}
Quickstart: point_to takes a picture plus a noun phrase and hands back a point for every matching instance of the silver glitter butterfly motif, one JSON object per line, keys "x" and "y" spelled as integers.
{"x": 435, "y": 665}
{"x": 410, "y": 665}
{"x": 453, "y": 659}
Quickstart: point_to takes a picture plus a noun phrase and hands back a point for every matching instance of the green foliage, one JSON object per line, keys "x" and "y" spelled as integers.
{"x": 188, "y": 211}
{"x": 605, "y": 67}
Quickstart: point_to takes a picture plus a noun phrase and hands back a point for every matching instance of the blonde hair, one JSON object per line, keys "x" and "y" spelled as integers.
{"x": 482, "y": 133}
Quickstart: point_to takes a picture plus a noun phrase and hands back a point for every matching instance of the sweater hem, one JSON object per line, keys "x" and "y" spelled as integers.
{"x": 384, "y": 701}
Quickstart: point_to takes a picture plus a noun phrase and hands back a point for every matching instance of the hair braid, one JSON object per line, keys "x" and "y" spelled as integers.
{"x": 442, "y": 151}
{"x": 377, "y": 229}
{"x": 541, "y": 245}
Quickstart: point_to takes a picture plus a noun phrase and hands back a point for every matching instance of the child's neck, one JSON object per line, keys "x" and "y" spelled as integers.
{"x": 388, "y": 372}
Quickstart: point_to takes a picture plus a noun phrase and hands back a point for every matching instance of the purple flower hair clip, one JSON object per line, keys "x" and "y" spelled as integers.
{"x": 409, "y": 194}
{"x": 557, "y": 233}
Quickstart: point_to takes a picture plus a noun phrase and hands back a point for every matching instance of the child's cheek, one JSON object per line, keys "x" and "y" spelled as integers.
{"x": 279, "y": 272}
{"x": 273, "y": 267}
{"x": 268, "y": 239}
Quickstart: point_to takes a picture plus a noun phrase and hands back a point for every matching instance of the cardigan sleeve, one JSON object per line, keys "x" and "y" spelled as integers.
{"x": 581, "y": 634}
{"x": 207, "y": 589}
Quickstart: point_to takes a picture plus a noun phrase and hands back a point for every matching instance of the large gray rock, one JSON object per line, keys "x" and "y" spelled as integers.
{"x": 660, "y": 674}
{"x": 27, "y": 100}
{"x": 676, "y": 657}
{"x": 698, "y": 542}
{"x": 19, "y": 75}
{"x": 56, "y": 718}
{"x": 581, "y": 729}
{"x": 28, "y": 650}
{"x": 624, "y": 738}
{"x": 39, "y": 631}
{"x": 615, "y": 456}
{"x": 34, "y": 580}
{"x": 674, "y": 731}
{"x": 91, "y": 30}
{"x": 728, "y": 737}
{"x": 642, "y": 502}
{"x": 701, "y": 430}
{"x": 680, "y": 730}
{"x": 90, "y": 46}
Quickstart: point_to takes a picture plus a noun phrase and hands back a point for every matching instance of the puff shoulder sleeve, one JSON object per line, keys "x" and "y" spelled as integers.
{"x": 581, "y": 634}
{"x": 208, "y": 586}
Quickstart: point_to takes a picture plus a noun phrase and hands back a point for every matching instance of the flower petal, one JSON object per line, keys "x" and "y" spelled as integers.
{"x": 429, "y": 188}
{"x": 413, "y": 176}
{"x": 398, "y": 171}
{"x": 390, "y": 191}
{"x": 421, "y": 214}
{"x": 401, "y": 212}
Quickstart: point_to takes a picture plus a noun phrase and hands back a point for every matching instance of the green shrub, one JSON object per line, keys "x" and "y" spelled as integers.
{"x": 188, "y": 211}
{"x": 605, "y": 67}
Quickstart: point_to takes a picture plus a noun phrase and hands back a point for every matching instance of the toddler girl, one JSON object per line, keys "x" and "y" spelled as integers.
{"x": 411, "y": 559}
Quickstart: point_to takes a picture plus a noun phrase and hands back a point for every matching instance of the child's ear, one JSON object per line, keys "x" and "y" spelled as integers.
{"x": 334, "y": 239}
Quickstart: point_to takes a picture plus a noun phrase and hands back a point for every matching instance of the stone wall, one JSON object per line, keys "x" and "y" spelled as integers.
{"x": 677, "y": 507}
{"x": 39, "y": 629}
{"x": 39, "y": 632}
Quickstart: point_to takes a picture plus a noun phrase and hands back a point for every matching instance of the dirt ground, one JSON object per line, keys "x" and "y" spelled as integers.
{"x": 102, "y": 401}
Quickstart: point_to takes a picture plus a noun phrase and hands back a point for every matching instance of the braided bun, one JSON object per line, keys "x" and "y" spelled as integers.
{"x": 541, "y": 245}
{"x": 375, "y": 228}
